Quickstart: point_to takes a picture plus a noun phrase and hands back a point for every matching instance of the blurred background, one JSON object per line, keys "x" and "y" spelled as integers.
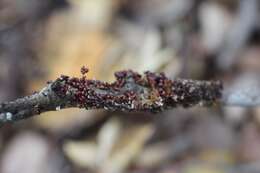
{"x": 198, "y": 39}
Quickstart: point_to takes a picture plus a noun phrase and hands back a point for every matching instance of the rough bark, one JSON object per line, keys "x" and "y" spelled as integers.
{"x": 152, "y": 92}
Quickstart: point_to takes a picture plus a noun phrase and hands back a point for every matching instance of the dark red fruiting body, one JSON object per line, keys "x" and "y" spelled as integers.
{"x": 134, "y": 92}
{"x": 84, "y": 70}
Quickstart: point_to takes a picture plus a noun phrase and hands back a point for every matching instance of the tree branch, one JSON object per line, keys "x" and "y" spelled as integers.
{"x": 243, "y": 91}
{"x": 131, "y": 91}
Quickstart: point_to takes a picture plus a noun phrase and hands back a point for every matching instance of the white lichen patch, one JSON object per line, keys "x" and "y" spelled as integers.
{"x": 191, "y": 89}
{"x": 6, "y": 116}
{"x": 9, "y": 116}
{"x": 159, "y": 102}
{"x": 58, "y": 108}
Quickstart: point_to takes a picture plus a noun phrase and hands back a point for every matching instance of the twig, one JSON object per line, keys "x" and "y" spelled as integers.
{"x": 131, "y": 91}
{"x": 243, "y": 91}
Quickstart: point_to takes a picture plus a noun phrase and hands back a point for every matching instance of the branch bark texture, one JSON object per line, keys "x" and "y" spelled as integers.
{"x": 131, "y": 91}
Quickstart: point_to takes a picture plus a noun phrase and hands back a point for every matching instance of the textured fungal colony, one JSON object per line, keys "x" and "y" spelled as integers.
{"x": 150, "y": 92}
{"x": 134, "y": 92}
